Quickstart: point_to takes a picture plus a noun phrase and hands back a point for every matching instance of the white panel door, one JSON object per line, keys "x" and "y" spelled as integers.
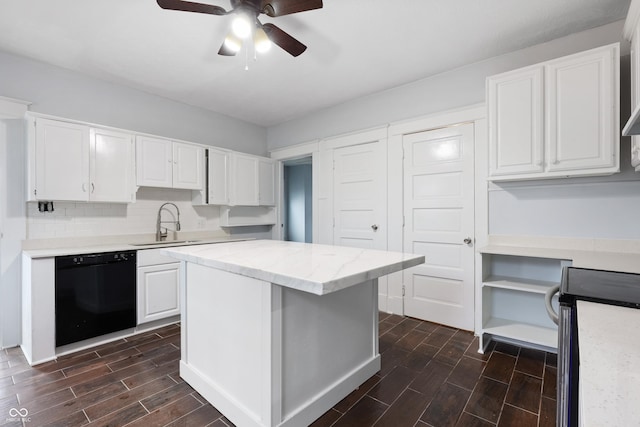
{"x": 112, "y": 166}
{"x": 62, "y": 161}
{"x": 360, "y": 195}
{"x": 438, "y": 206}
{"x": 188, "y": 166}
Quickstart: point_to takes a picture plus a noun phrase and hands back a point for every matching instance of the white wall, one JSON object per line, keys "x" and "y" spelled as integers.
{"x": 458, "y": 88}
{"x": 12, "y": 227}
{"x": 599, "y": 207}
{"x": 71, "y": 219}
{"x": 60, "y": 92}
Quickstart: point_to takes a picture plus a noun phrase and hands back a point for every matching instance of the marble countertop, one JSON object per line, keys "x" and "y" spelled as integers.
{"x": 609, "y": 364}
{"x": 318, "y": 269}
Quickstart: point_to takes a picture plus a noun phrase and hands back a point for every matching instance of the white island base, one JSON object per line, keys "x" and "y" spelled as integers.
{"x": 268, "y": 355}
{"x": 276, "y": 333}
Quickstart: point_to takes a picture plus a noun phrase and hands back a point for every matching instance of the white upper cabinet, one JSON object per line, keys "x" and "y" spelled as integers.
{"x": 266, "y": 182}
{"x": 61, "y": 160}
{"x": 243, "y": 180}
{"x": 188, "y": 163}
{"x": 154, "y": 164}
{"x": 218, "y": 185}
{"x": 168, "y": 164}
{"x": 516, "y": 129}
{"x": 77, "y": 163}
{"x": 556, "y": 119}
{"x": 251, "y": 180}
{"x": 112, "y": 166}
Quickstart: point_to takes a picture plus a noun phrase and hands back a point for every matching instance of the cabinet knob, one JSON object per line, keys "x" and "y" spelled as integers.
{"x": 374, "y": 227}
{"x": 467, "y": 241}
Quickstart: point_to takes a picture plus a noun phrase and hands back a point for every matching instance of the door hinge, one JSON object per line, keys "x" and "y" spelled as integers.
{"x": 334, "y": 165}
{"x": 35, "y": 192}
{"x": 334, "y": 222}
{"x": 403, "y": 290}
{"x": 403, "y": 220}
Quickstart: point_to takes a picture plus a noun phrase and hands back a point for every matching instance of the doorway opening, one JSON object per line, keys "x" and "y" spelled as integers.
{"x": 297, "y": 200}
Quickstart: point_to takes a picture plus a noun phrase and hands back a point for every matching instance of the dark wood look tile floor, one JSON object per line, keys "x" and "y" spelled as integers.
{"x": 431, "y": 375}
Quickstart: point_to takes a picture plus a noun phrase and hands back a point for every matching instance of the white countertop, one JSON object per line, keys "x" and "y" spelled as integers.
{"x": 609, "y": 364}
{"x": 599, "y": 254}
{"x": 113, "y": 247}
{"x": 318, "y": 269}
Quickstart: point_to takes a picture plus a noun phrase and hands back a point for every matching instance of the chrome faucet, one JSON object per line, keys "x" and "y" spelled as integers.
{"x": 160, "y": 236}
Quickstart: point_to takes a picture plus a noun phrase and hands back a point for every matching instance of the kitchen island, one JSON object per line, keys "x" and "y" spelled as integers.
{"x": 275, "y": 333}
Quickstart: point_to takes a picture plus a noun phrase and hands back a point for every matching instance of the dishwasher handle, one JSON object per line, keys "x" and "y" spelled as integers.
{"x": 547, "y": 302}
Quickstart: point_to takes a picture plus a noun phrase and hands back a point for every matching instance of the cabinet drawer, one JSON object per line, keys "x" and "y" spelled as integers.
{"x": 153, "y": 257}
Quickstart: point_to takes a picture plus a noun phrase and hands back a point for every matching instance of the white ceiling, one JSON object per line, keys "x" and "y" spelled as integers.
{"x": 355, "y": 47}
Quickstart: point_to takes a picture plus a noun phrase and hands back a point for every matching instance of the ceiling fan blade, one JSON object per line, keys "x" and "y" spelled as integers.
{"x": 188, "y": 6}
{"x": 275, "y": 8}
{"x": 225, "y": 51}
{"x": 284, "y": 40}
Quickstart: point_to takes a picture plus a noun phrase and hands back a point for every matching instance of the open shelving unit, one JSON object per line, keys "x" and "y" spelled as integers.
{"x": 512, "y": 300}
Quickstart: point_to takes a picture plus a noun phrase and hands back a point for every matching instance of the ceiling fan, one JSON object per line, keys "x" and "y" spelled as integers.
{"x": 246, "y": 22}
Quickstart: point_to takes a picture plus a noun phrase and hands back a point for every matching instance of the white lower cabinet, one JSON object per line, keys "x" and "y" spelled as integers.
{"x": 158, "y": 282}
{"x": 512, "y": 302}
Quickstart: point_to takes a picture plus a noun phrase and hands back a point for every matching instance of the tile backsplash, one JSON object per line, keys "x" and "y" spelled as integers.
{"x": 80, "y": 219}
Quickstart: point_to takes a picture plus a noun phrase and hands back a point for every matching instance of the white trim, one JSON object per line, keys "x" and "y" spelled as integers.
{"x": 13, "y": 108}
{"x": 438, "y": 120}
{"x": 633, "y": 16}
{"x": 295, "y": 151}
{"x": 307, "y": 149}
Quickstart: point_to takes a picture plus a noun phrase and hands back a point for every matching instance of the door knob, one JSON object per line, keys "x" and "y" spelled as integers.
{"x": 374, "y": 227}
{"x": 467, "y": 241}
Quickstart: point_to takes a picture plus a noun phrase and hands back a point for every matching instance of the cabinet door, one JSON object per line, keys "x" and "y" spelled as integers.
{"x": 582, "y": 111}
{"x": 158, "y": 292}
{"x": 218, "y": 185}
{"x": 112, "y": 167}
{"x": 243, "y": 180}
{"x": 516, "y": 122}
{"x": 153, "y": 162}
{"x": 62, "y": 161}
{"x": 266, "y": 182}
{"x": 188, "y": 166}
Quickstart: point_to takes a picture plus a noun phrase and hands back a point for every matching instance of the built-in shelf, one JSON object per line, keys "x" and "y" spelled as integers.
{"x": 242, "y": 216}
{"x": 512, "y": 299}
{"x": 539, "y": 335}
{"x": 524, "y": 285}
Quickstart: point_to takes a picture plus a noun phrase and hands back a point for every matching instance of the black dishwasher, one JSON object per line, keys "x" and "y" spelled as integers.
{"x": 95, "y": 295}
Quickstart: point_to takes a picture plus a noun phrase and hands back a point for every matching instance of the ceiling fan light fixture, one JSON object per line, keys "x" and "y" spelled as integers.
{"x": 233, "y": 43}
{"x": 241, "y": 26}
{"x": 261, "y": 41}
